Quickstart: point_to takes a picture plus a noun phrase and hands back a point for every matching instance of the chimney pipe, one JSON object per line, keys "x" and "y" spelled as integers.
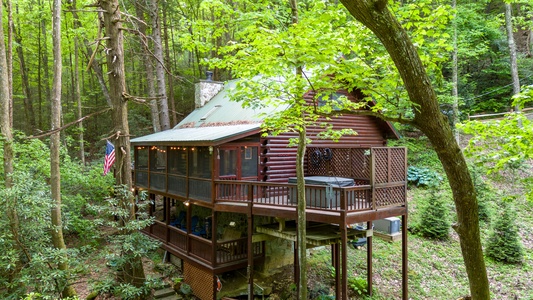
{"x": 209, "y": 75}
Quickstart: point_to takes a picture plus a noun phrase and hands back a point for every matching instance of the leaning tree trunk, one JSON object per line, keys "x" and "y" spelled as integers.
{"x": 133, "y": 272}
{"x": 375, "y": 15}
{"x": 55, "y": 175}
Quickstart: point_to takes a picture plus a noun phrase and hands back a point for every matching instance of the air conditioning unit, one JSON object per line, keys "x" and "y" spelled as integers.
{"x": 388, "y": 225}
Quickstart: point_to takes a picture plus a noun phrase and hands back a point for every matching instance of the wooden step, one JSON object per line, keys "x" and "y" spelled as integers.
{"x": 160, "y": 294}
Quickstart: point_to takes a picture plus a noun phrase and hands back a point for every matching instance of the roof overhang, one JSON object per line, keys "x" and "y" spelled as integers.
{"x": 198, "y": 136}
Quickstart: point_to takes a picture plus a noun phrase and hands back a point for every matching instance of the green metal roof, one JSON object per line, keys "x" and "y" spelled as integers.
{"x": 218, "y": 120}
{"x": 196, "y": 136}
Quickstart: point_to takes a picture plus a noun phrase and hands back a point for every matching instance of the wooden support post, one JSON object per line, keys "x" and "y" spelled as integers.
{"x": 335, "y": 253}
{"x": 369, "y": 259}
{"x": 214, "y": 238}
{"x": 296, "y": 266}
{"x": 250, "y": 245}
{"x": 344, "y": 260}
{"x": 344, "y": 253}
{"x": 405, "y": 288}
{"x": 166, "y": 208}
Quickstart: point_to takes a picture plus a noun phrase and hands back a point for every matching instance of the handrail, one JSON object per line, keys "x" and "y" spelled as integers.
{"x": 320, "y": 197}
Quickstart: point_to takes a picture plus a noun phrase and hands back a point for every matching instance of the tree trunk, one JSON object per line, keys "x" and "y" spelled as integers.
{"x": 7, "y": 137}
{"x": 9, "y": 58}
{"x": 28, "y": 102}
{"x": 44, "y": 65}
{"x": 133, "y": 273}
{"x": 455, "y": 74}
{"x": 428, "y": 118}
{"x": 77, "y": 94}
{"x": 159, "y": 67}
{"x": 168, "y": 63}
{"x": 301, "y": 238}
{"x": 55, "y": 175}
{"x": 94, "y": 65}
{"x": 5, "y": 104}
{"x": 302, "y": 222}
{"x": 148, "y": 67}
{"x": 512, "y": 50}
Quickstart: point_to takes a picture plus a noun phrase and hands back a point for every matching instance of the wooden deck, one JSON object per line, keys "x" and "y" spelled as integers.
{"x": 330, "y": 206}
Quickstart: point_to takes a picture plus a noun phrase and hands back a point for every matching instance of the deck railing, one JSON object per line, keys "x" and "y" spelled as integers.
{"x": 349, "y": 199}
{"x": 227, "y": 252}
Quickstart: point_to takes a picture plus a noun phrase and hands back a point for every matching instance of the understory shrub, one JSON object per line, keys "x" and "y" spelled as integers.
{"x": 423, "y": 176}
{"x": 504, "y": 242}
{"x": 28, "y": 260}
{"x": 127, "y": 246}
{"x": 433, "y": 215}
{"x": 358, "y": 285}
{"x": 485, "y": 194}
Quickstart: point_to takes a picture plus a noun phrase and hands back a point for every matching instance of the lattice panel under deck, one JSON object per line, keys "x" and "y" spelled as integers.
{"x": 201, "y": 281}
{"x": 390, "y": 196}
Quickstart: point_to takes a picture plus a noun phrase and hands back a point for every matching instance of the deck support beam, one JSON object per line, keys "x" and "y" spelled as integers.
{"x": 344, "y": 258}
{"x": 369, "y": 260}
{"x": 250, "y": 250}
{"x": 335, "y": 255}
{"x": 405, "y": 285}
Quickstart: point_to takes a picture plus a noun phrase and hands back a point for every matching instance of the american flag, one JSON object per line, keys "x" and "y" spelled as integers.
{"x": 109, "y": 157}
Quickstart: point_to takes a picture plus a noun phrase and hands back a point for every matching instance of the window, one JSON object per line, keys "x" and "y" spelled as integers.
{"x": 334, "y": 100}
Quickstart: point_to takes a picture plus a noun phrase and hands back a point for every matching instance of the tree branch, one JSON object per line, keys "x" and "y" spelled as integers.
{"x": 50, "y": 132}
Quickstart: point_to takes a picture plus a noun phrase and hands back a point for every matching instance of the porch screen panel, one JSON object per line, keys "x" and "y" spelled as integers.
{"x": 158, "y": 168}
{"x": 141, "y": 179}
{"x": 158, "y": 182}
{"x": 141, "y": 166}
{"x": 177, "y": 160}
{"x": 158, "y": 159}
{"x": 199, "y": 162}
{"x": 177, "y": 185}
{"x": 200, "y": 189}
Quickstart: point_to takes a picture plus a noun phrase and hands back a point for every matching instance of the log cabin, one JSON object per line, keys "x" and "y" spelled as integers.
{"x": 224, "y": 195}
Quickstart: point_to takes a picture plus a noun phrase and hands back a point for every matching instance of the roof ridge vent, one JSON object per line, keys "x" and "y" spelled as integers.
{"x": 210, "y": 112}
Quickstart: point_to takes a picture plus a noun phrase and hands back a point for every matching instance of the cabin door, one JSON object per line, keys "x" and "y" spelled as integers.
{"x": 237, "y": 163}
{"x": 228, "y": 163}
